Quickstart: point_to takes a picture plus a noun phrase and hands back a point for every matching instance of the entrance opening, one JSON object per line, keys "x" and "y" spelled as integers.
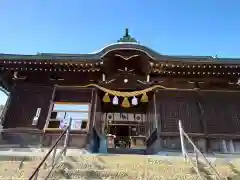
{"x": 119, "y": 130}
{"x": 122, "y": 136}
{"x": 126, "y": 129}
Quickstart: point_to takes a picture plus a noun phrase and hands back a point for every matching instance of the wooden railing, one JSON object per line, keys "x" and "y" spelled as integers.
{"x": 53, "y": 151}
{"x": 186, "y": 156}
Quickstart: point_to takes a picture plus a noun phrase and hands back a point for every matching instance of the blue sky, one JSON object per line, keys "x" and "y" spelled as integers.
{"x": 173, "y": 27}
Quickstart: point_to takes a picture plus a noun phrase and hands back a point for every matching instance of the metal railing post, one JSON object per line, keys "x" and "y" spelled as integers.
{"x": 36, "y": 175}
{"x": 67, "y": 137}
{"x": 182, "y": 140}
{"x": 199, "y": 152}
{"x": 55, "y": 159}
{"x": 196, "y": 150}
{"x": 196, "y": 156}
{"x": 54, "y": 155}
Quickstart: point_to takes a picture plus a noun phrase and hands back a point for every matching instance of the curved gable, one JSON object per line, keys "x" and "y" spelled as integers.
{"x": 129, "y": 46}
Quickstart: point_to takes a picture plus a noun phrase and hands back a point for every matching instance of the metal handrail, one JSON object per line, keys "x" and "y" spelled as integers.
{"x": 196, "y": 168}
{"x": 53, "y": 149}
{"x": 196, "y": 150}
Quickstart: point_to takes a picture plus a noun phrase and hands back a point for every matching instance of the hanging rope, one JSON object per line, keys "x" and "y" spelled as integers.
{"x": 127, "y": 94}
{"x": 125, "y": 103}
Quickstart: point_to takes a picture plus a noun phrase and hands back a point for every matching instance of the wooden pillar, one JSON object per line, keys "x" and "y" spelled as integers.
{"x": 231, "y": 146}
{"x": 93, "y": 108}
{"x": 155, "y": 110}
{"x": 201, "y": 116}
{"x": 5, "y": 109}
{"x": 158, "y": 118}
{"x": 4, "y": 76}
{"x": 6, "y": 79}
{"x": 48, "y": 116}
{"x": 91, "y": 123}
{"x": 157, "y": 148}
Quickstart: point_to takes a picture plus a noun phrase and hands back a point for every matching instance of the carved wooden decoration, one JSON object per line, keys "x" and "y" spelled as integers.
{"x": 126, "y": 58}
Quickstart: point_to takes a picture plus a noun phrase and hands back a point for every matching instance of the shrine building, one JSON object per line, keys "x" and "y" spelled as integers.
{"x": 125, "y": 96}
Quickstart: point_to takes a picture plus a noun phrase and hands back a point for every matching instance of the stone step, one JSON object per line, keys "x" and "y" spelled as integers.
{"x": 150, "y": 164}
{"x": 127, "y": 166}
{"x": 8, "y": 168}
{"x": 18, "y": 169}
{"x": 118, "y": 175}
{"x": 122, "y": 167}
{"x": 118, "y": 166}
{"x": 126, "y": 151}
{"x": 28, "y": 167}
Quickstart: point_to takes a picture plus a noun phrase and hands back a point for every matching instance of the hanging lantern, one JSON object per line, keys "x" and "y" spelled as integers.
{"x": 144, "y": 98}
{"x": 134, "y": 101}
{"x": 125, "y": 103}
{"x": 106, "y": 98}
{"x": 115, "y": 100}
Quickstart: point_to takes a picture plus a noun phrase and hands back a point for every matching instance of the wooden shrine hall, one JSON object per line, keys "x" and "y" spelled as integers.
{"x": 125, "y": 96}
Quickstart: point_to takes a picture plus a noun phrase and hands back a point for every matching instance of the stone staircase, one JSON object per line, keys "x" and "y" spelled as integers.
{"x": 126, "y": 167}
{"x": 115, "y": 166}
{"x": 20, "y": 167}
{"x": 126, "y": 151}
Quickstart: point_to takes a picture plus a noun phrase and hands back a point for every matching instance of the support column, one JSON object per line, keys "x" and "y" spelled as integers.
{"x": 5, "y": 109}
{"x": 231, "y": 146}
{"x": 48, "y": 117}
{"x": 103, "y": 145}
{"x": 155, "y": 110}
{"x": 204, "y": 141}
{"x": 158, "y": 120}
{"x": 224, "y": 146}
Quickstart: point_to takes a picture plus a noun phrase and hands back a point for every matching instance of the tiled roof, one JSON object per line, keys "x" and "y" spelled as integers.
{"x": 118, "y": 46}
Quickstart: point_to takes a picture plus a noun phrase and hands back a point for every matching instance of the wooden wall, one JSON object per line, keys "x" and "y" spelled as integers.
{"x": 202, "y": 112}
{"x": 73, "y": 95}
{"x": 174, "y": 106}
{"x": 221, "y": 112}
{"x": 25, "y": 99}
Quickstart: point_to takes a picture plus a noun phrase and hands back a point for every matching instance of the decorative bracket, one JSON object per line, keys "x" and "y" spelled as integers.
{"x": 107, "y": 81}
{"x": 15, "y": 76}
{"x": 237, "y": 83}
{"x": 125, "y": 70}
{"x": 126, "y": 58}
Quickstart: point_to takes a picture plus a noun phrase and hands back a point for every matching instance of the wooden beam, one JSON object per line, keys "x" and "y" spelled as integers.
{"x": 176, "y": 134}
{"x": 201, "y": 135}
{"x": 187, "y": 78}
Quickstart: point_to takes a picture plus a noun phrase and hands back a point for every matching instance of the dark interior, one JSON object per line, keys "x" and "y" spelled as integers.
{"x": 122, "y": 135}
{"x": 119, "y": 130}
